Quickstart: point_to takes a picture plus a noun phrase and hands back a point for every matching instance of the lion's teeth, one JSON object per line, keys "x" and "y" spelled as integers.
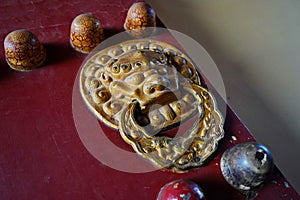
{"x": 156, "y": 118}
{"x": 167, "y": 112}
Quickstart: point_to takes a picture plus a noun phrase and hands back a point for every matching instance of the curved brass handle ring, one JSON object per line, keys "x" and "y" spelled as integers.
{"x": 183, "y": 152}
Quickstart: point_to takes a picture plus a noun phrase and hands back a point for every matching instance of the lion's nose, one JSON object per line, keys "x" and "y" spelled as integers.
{"x": 154, "y": 88}
{"x": 156, "y": 84}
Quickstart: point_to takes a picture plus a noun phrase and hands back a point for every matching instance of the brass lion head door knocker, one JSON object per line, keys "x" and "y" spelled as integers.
{"x": 144, "y": 87}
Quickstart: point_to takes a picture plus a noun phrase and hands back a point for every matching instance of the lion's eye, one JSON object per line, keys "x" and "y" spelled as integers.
{"x": 157, "y": 51}
{"x": 115, "y": 69}
{"x": 125, "y": 67}
{"x": 138, "y": 64}
{"x": 161, "y": 58}
{"x": 154, "y": 60}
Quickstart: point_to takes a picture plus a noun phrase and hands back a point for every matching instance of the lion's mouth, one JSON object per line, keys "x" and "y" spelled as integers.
{"x": 186, "y": 150}
{"x": 165, "y": 112}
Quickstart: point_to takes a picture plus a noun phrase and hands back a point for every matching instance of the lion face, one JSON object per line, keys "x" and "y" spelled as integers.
{"x": 143, "y": 87}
